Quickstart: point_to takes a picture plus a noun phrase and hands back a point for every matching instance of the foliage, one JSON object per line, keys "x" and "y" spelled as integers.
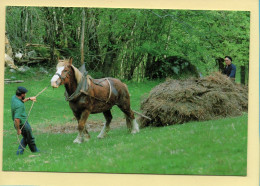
{"x": 126, "y": 43}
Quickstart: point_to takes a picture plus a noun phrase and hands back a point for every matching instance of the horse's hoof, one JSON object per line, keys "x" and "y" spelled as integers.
{"x": 77, "y": 141}
{"x": 134, "y": 131}
{"x": 100, "y": 136}
{"x": 86, "y": 139}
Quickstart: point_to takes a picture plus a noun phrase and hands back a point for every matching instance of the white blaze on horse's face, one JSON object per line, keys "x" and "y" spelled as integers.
{"x": 55, "y": 78}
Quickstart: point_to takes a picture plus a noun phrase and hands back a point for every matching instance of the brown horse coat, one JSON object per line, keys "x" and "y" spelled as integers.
{"x": 100, "y": 96}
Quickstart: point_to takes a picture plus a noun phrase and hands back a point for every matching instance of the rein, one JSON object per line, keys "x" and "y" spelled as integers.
{"x": 29, "y": 115}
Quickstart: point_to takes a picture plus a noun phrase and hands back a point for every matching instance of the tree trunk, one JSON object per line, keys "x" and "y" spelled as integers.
{"x": 26, "y": 24}
{"x": 111, "y": 53}
{"x": 168, "y": 37}
{"x": 243, "y": 74}
{"x": 131, "y": 73}
{"x": 50, "y": 27}
{"x": 8, "y": 48}
{"x": 64, "y": 29}
{"x": 137, "y": 77}
{"x": 93, "y": 50}
{"x": 149, "y": 66}
{"x": 135, "y": 64}
{"x": 110, "y": 56}
{"x": 143, "y": 70}
{"x": 82, "y": 36}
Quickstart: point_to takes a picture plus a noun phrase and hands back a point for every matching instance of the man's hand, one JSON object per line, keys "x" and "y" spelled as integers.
{"x": 17, "y": 125}
{"x": 32, "y": 98}
{"x": 19, "y": 131}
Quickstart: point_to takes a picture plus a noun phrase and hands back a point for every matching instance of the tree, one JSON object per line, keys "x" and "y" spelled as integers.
{"x": 129, "y": 43}
{"x": 82, "y": 36}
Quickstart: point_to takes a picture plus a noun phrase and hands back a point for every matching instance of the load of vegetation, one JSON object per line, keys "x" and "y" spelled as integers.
{"x": 194, "y": 99}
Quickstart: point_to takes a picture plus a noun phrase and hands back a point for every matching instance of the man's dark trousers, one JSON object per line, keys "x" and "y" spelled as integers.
{"x": 28, "y": 139}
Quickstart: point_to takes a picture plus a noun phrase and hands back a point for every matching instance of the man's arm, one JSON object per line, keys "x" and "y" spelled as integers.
{"x": 30, "y": 98}
{"x": 17, "y": 125}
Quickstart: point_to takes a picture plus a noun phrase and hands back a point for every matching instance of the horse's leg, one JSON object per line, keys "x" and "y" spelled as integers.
{"x": 131, "y": 123}
{"x": 106, "y": 127}
{"x": 77, "y": 139}
{"x": 83, "y": 133}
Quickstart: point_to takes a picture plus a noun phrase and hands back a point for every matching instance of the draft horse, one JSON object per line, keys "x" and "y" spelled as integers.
{"x": 100, "y": 95}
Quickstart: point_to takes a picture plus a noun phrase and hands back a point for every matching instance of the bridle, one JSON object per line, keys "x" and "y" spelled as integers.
{"x": 63, "y": 78}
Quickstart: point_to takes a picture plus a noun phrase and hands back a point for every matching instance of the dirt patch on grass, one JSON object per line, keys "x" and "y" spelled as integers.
{"x": 195, "y": 99}
{"x": 72, "y": 127}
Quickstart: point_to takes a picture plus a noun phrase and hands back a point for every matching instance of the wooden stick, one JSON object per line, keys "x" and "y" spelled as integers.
{"x": 138, "y": 113}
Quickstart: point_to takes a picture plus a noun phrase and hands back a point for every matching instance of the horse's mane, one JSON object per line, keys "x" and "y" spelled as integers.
{"x": 78, "y": 74}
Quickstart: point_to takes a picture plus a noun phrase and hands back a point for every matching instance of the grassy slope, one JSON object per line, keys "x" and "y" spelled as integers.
{"x": 212, "y": 147}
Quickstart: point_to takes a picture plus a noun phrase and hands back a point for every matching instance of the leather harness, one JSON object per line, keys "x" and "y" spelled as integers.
{"x": 84, "y": 89}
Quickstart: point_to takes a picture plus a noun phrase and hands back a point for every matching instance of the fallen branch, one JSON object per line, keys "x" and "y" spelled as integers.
{"x": 36, "y": 45}
{"x": 13, "y": 81}
{"x": 33, "y": 60}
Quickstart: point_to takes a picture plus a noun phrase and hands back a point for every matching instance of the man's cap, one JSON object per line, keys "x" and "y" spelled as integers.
{"x": 22, "y": 90}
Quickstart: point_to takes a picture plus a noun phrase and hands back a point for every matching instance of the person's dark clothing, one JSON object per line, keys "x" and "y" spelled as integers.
{"x": 28, "y": 139}
{"x": 230, "y": 70}
{"x": 18, "y": 112}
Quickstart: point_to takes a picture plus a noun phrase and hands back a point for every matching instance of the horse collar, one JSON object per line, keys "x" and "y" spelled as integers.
{"x": 83, "y": 86}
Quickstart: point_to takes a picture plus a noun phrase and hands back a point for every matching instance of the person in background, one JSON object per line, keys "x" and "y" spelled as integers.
{"x": 230, "y": 69}
{"x": 19, "y": 117}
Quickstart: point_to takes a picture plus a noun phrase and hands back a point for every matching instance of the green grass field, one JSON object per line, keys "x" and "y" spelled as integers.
{"x": 216, "y": 147}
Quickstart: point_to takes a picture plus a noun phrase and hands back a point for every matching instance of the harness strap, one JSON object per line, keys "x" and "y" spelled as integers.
{"x": 58, "y": 75}
{"x": 109, "y": 90}
{"x": 82, "y": 89}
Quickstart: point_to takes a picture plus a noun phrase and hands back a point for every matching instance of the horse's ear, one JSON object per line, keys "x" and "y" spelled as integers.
{"x": 70, "y": 61}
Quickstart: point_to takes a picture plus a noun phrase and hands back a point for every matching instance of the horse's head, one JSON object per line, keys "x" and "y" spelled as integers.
{"x": 62, "y": 74}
